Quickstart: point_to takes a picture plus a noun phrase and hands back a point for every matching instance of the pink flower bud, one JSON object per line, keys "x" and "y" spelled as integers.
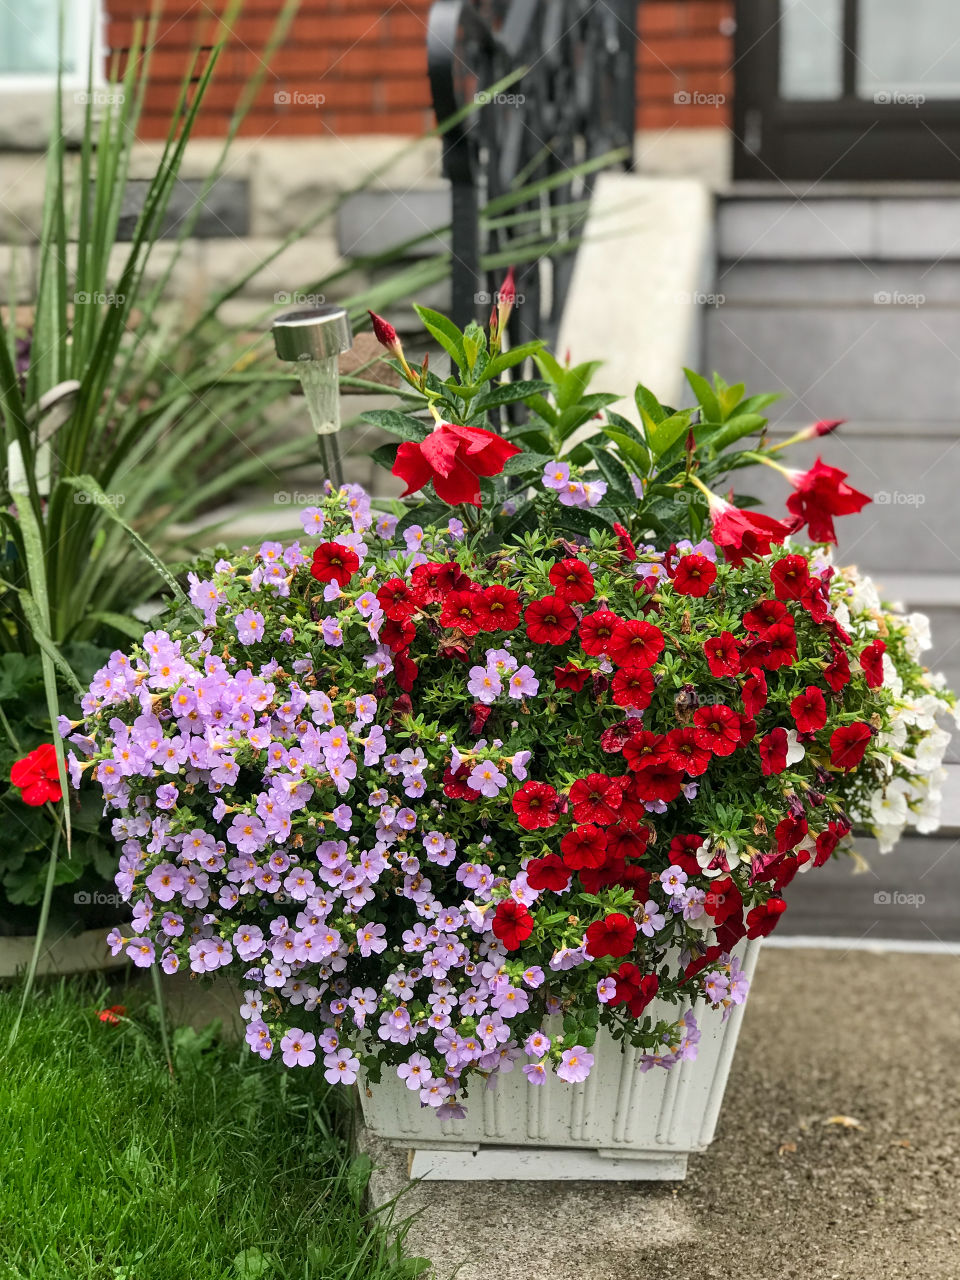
{"x": 385, "y": 333}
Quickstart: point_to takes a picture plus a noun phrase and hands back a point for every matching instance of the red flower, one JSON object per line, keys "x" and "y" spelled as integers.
{"x": 550, "y": 620}
{"x": 754, "y": 693}
{"x": 36, "y": 776}
{"x": 789, "y": 832}
{"x": 548, "y": 873}
{"x": 837, "y": 674}
{"x": 633, "y": 688}
{"x": 773, "y": 751}
{"x": 502, "y": 607}
{"x": 642, "y": 748}
{"x": 611, "y": 937}
{"x": 596, "y": 632}
{"x": 627, "y": 842}
{"x": 572, "y": 580}
{"x": 723, "y": 654}
{"x": 396, "y": 600}
{"x": 745, "y": 535}
{"x": 512, "y": 923}
{"x": 694, "y": 575}
{"x": 723, "y": 899}
{"x": 717, "y": 728}
{"x": 584, "y": 847}
{"x": 809, "y": 710}
{"x": 633, "y": 989}
{"x": 455, "y": 784}
{"x": 776, "y": 648}
{"x": 871, "y": 663}
{"x": 658, "y": 781}
{"x": 827, "y": 841}
{"x": 627, "y": 548}
{"x": 570, "y": 677}
{"x": 848, "y": 743}
{"x": 634, "y": 643}
{"x": 683, "y": 751}
{"x": 765, "y": 614}
{"x": 479, "y": 715}
{"x": 454, "y": 457}
{"x": 596, "y": 798}
{"x": 385, "y": 333}
{"x": 762, "y": 920}
{"x": 820, "y": 495}
{"x": 333, "y": 562}
{"x": 790, "y": 577}
{"x": 465, "y": 610}
{"x": 405, "y": 671}
{"x": 112, "y": 1015}
{"x": 431, "y": 582}
{"x": 535, "y": 804}
{"x": 397, "y": 636}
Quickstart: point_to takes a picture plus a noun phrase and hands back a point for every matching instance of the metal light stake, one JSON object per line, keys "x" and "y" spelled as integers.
{"x": 313, "y": 339}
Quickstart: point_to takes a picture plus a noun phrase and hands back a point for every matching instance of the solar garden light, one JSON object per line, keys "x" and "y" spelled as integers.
{"x": 313, "y": 338}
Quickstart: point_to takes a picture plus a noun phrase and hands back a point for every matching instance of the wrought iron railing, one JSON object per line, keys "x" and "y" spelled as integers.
{"x": 544, "y": 134}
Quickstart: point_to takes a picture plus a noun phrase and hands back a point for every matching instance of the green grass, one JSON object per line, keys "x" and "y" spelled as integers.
{"x": 111, "y": 1170}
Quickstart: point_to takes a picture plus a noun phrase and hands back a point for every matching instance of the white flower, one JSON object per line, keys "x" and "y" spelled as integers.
{"x": 889, "y": 807}
{"x": 887, "y": 837}
{"x": 930, "y": 751}
{"x": 717, "y": 857}
{"x": 795, "y": 749}
{"x": 891, "y": 679}
{"x": 864, "y": 598}
{"x": 917, "y": 627}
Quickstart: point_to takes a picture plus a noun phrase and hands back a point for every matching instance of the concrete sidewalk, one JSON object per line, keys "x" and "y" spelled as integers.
{"x": 783, "y": 1192}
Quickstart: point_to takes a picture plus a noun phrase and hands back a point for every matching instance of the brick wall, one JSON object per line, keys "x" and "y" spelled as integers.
{"x": 354, "y": 66}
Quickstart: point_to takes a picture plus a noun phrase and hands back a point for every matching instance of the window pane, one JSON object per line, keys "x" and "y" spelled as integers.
{"x": 29, "y": 38}
{"x": 909, "y": 48}
{"x": 811, "y": 49}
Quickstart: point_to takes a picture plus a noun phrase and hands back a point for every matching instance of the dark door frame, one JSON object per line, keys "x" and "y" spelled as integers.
{"x": 845, "y": 139}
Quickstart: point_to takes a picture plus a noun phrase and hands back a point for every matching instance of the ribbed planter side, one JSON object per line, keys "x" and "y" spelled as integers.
{"x": 619, "y": 1111}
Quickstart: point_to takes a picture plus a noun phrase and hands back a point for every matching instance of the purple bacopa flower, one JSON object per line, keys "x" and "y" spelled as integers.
{"x": 340, "y": 1067}
{"x": 250, "y": 626}
{"x": 370, "y": 939}
{"x": 415, "y": 1072}
{"x": 575, "y": 1064}
{"x": 536, "y": 1072}
{"x": 312, "y": 519}
{"x": 556, "y": 476}
{"x": 651, "y": 920}
{"x": 486, "y": 778}
{"x": 674, "y": 880}
{"x": 484, "y": 685}
{"x": 537, "y": 1045}
{"x": 523, "y": 683}
{"x": 298, "y": 1047}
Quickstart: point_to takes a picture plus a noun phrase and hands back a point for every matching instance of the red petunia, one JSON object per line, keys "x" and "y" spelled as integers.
{"x": 550, "y": 620}
{"x": 596, "y": 632}
{"x": 634, "y": 989}
{"x": 789, "y": 832}
{"x": 683, "y": 751}
{"x": 333, "y": 562}
{"x": 790, "y": 577}
{"x": 548, "y": 873}
{"x": 35, "y": 775}
{"x": 658, "y": 781}
{"x": 455, "y": 784}
{"x": 405, "y": 671}
{"x": 584, "y": 847}
{"x": 848, "y": 743}
{"x": 871, "y": 663}
{"x": 642, "y": 748}
{"x": 512, "y": 923}
{"x": 717, "y": 728}
{"x": 570, "y": 677}
{"x": 397, "y": 636}
{"x": 627, "y": 842}
{"x": 596, "y": 798}
{"x": 535, "y": 804}
{"x": 396, "y": 600}
{"x": 723, "y": 899}
{"x": 776, "y": 648}
{"x": 837, "y": 674}
{"x": 465, "y": 610}
{"x": 627, "y": 549}
{"x": 773, "y": 751}
{"x": 694, "y": 575}
{"x": 612, "y": 936}
{"x": 572, "y": 580}
{"x": 480, "y": 713}
{"x": 501, "y": 608}
{"x": 722, "y": 654}
{"x": 745, "y": 535}
{"x": 764, "y": 614}
{"x": 635, "y": 643}
{"x": 762, "y": 920}
{"x": 754, "y": 693}
{"x": 431, "y": 582}
{"x": 828, "y": 839}
{"x": 820, "y": 495}
{"x": 809, "y": 710}
{"x": 633, "y": 687}
{"x": 453, "y": 457}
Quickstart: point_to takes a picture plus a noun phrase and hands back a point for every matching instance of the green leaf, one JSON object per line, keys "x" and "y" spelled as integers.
{"x": 446, "y": 333}
{"x": 398, "y": 424}
{"x": 385, "y": 455}
{"x": 618, "y": 481}
{"x": 509, "y": 393}
{"x": 507, "y": 359}
{"x": 523, "y": 464}
{"x": 669, "y": 432}
{"x": 651, "y": 411}
{"x": 631, "y": 449}
{"x": 705, "y": 396}
{"x": 574, "y": 383}
{"x": 358, "y": 1176}
{"x": 744, "y": 424}
{"x": 254, "y": 1264}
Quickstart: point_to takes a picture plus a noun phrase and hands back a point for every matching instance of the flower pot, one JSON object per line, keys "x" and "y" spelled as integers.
{"x": 620, "y": 1123}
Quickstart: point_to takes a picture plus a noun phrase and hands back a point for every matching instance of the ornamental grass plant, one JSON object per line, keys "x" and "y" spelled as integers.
{"x": 454, "y": 788}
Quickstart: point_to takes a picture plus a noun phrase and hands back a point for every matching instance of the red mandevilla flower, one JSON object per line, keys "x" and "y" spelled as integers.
{"x": 612, "y": 936}
{"x": 535, "y": 804}
{"x": 820, "y": 495}
{"x": 453, "y": 457}
{"x": 745, "y": 535}
{"x": 848, "y": 744}
{"x": 512, "y": 923}
{"x": 333, "y": 562}
{"x": 809, "y": 710}
{"x": 694, "y": 575}
{"x": 572, "y": 580}
{"x": 550, "y": 620}
{"x": 35, "y": 775}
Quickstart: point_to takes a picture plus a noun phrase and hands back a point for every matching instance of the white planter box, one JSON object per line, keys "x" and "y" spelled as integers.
{"x": 620, "y": 1123}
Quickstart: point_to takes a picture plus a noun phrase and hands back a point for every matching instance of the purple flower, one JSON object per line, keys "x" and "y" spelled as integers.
{"x": 486, "y": 778}
{"x": 298, "y": 1048}
{"x": 575, "y": 1064}
{"x": 556, "y": 476}
{"x": 535, "y": 1072}
{"x": 650, "y": 918}
{"x": 415, "y": 1072}
{"x": 370, "y": 939}
{"x": 340, "y": 1067}
{"x": 250, "y": 625}
{"x": 523, "y": 683}
{"x": 484, "y": 685}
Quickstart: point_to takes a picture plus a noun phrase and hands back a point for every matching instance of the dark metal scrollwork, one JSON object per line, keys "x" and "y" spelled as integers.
{"x": 574, "y": 102}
